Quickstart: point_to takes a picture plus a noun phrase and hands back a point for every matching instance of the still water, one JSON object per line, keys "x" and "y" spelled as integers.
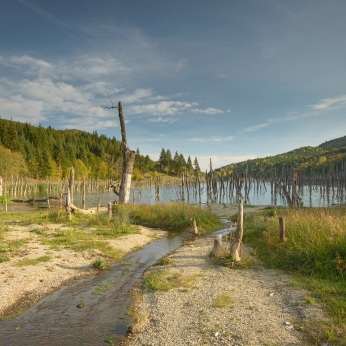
{"x": 261, "y": 196}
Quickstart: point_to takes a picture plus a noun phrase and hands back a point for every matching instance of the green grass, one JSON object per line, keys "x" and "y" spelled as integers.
{"x": 33, "y": 261}
{"x": 174, "y": 216}
{"x": 164, "y": 280}
{"x": 224, "y": 300}
{"x": 315, "y": 254}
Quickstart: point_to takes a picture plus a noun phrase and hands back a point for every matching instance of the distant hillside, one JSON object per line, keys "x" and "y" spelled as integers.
{"x": 38, "y": 152}
{"x": 334, "y": 143}
{"x": 327, "y": 158}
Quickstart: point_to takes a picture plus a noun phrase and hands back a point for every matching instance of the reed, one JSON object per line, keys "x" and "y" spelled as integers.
{"x": 174, "y": 216}
{"x": 315, "y": 254}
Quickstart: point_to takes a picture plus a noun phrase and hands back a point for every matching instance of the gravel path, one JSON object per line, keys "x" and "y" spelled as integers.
{"x": 265, "y": 309}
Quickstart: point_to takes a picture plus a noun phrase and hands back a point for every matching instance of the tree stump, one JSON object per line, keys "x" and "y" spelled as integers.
{"x": 194, "y": 227}
{"x": 217, "y": 245}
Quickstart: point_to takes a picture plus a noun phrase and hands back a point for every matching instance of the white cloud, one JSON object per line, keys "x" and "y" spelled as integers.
{"x": 256, "y": 127}
{"x": 210, "y": 111}
{"x": 329, "y": 103}
{"x": 162, "y": 120}
{"x": 212, "y": 139}
{"x": 163, "y": 108}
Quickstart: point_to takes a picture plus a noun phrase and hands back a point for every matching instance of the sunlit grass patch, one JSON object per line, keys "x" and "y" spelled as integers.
{"x": 174, "y": 216}
{"x": 224, "y": 300}
{"x": 164, "y": 280}
{"x": 33, "y": 261}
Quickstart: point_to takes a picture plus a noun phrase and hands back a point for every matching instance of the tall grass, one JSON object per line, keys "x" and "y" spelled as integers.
{"x": 174, "y": 216}
{"x": 315, "y": 253}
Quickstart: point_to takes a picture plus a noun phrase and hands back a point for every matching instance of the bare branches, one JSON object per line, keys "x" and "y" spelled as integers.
{"x": 109, "y": 100}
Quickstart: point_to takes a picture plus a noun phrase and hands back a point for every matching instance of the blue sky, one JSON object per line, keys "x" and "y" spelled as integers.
{"x": 228, "y": 80}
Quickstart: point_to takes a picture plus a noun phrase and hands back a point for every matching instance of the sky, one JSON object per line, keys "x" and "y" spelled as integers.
{"x": 229, "y": 80}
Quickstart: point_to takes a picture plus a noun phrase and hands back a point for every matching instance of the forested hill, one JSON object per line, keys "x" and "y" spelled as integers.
{"x": 45, "y": 152}
{"x": 334, "y": 143}
{"x": 327, "y": 158}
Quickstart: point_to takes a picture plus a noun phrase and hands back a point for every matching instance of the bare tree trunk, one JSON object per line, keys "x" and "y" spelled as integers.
{"x": 128, "y": 161}
{"x": 83, "y": 194}
{"x": 71, "y": 184}
{"x": 236, "y": 242}
{"x": 68, "y": 202}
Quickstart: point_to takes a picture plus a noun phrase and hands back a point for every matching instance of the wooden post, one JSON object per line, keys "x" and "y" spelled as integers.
{"x": 98, "y": 204}
{"x": 194, "y": 227}
{"x": 236, "y": 242}
{"x": 67, "y": 205}
{"x": 182, "y": 188}
{"x": 282, "y": 230}
{"x": 109, "y": 210}
{"x": 217, "y": 245}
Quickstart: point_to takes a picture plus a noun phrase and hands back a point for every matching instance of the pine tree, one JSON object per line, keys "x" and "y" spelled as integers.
{"x": 189, "y": 166}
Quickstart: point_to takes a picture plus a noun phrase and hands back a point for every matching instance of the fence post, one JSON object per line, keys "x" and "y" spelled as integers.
{"x": 282, "y": 230}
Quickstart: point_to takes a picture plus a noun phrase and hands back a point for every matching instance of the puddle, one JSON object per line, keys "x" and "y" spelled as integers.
{"x": 102, "y": 302}
{"x": 90, "y": 310}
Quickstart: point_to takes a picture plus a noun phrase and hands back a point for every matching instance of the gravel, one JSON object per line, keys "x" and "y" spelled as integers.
{"x": 265, "y": 309}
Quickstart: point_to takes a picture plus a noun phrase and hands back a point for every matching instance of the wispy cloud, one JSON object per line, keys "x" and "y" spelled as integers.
{"x": 316, "y": 109}
{"x": 163, "y": 108}
{"x": 209, "y": 110}
{"x": 212, "y": 139}
{"x": 329, "y": 103}
{"x": 163, "y": 120}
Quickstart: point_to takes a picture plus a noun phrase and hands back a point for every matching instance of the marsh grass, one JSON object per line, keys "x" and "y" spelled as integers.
{"x": 315, "y": 254}
{"x": 164, "y": 280}
{"x": 174, "y": 216}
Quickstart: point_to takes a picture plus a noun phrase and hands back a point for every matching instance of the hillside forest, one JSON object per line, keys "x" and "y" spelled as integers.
{"x": 327, "y": 158}
{"x": 41, "y": 153}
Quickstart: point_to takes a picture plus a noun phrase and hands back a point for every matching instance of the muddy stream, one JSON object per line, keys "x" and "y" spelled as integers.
{"x": 90, "y": 310}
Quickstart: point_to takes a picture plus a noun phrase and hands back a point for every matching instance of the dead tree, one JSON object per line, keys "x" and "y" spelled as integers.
{"x": 128, "y": 159}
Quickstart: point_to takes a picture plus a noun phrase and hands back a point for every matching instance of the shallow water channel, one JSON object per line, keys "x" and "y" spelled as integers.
{"x": 56, "y": 319}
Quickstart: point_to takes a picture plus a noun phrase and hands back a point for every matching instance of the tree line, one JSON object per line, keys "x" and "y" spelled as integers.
{"x": 308, "y": 160}
{"x": 41, "y": 153}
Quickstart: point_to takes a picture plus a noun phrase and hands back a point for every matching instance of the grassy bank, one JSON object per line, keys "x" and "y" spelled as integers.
{"x": 174, "y": 216}
{"x": 91, "y": 232}
{"x": 315, "y": 254}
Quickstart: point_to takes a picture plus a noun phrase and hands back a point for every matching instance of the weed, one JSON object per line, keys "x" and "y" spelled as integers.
{"x": 101, "y": 289}
{"x": 163, "y": 261}
{"x": 164, "y": 280}
{"x": 99, "y": 264}
{"x": 109, "y": 340}
{"x": 222, "y": 301}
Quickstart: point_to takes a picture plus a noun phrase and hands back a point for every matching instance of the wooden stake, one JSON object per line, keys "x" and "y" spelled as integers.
{"x": 109, "y": 210}
{"x": 282, "y": 230}
{"x": 236, "y": 242}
